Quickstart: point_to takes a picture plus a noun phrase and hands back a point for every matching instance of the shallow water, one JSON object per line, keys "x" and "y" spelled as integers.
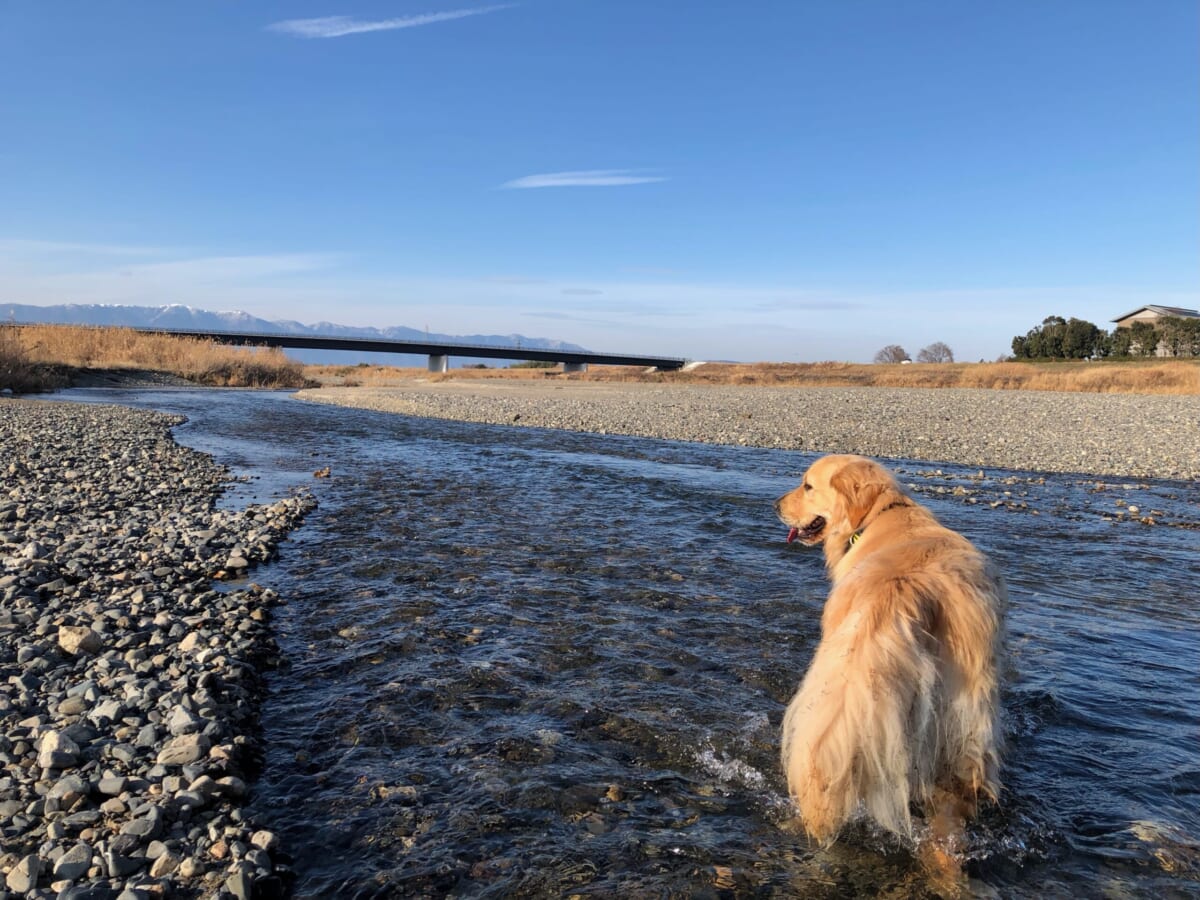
{"x": 534, "y": 663}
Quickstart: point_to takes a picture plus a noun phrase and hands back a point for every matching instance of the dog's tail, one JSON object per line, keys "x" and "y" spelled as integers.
{"x": 862, "y": 725}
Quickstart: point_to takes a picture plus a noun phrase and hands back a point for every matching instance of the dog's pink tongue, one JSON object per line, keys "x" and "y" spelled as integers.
{"x": 793, "y": 533}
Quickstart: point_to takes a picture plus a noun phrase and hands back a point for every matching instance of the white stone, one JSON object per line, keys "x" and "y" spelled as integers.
{"x": 57, "y": 751}
{"x": 77, "y": 639}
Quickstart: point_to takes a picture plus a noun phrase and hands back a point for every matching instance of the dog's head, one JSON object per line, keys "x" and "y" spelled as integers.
{"x": 837, "y": 494}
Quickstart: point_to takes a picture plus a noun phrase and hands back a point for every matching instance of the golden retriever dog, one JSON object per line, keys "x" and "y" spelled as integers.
{"x": 899, "y": 707}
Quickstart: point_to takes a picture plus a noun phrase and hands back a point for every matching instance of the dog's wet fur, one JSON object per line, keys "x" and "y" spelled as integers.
{"x": 899, "y": 708}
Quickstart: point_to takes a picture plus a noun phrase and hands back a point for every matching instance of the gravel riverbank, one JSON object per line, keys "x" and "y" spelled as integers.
{"x": 1116, "y": 435}
{"x": 129, "y": 686}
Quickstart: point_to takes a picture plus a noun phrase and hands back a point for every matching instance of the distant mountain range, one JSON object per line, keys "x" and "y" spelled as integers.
{"x": 188, "y": 318}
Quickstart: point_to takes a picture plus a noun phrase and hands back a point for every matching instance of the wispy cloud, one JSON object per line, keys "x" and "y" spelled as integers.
{"x": 340, "y": 26}
{"x": 34, "y": 248}
{"x": 587, "y": 178}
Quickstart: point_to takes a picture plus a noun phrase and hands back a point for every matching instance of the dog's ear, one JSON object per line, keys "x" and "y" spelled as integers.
{"x": 859, "y": 484}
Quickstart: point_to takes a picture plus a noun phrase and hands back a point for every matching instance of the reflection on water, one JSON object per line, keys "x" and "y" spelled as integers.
{"x": 528, "y": 663}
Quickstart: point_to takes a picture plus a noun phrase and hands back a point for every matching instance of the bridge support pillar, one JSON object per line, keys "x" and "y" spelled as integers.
{"x": 439, "y": 362}
{"x": 568, "y": 368}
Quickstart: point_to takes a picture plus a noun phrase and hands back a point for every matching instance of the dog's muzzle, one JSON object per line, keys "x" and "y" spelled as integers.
{"x": 809, "y": 533}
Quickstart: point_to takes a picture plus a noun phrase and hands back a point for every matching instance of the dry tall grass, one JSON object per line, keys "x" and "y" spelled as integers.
{"x": 1109, "y": 376}
{"x": 47, "y": 349}
{"x": 17, "y": 373}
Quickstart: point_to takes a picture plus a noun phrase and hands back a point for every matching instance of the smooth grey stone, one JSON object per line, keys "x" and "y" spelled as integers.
{"x": 240, "y": 884}
{"x": 87, "y": 892}
{"x": 74, "y": 863}
{"x": 112, "y": 786}
{"x": 24, "y": 875}
{"x": 184, "y": 750}
{"x": 119, "y": 865}
{"x": 69, "y": 784}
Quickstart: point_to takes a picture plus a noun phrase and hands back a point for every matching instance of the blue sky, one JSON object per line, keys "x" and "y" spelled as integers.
{"x": 717, "y": 180}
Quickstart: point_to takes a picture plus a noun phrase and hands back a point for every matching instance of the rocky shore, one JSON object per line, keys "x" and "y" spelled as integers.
{"x": 1116, "y": 435}
{"x": 130, "y": 675}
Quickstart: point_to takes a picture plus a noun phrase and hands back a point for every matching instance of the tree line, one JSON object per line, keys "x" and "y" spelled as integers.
{"x": 1059, "y": 338}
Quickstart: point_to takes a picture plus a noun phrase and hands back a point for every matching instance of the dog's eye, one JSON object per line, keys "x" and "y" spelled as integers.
{"x": 807, "y": 486}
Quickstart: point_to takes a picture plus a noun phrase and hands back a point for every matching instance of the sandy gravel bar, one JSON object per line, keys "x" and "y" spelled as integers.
{"x": 1122, "y": 435}
{"x": 129, "y": 687}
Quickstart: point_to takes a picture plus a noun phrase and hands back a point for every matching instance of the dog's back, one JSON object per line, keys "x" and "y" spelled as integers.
{"x": 900, "y": 702}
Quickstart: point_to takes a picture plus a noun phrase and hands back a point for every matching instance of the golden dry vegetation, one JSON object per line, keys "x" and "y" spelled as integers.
{"x": 1109, "y": 376}
{"x": 42, "y": 357}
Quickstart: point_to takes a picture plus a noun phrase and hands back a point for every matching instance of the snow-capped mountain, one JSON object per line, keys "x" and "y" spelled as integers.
{"x": 180, "y": 317}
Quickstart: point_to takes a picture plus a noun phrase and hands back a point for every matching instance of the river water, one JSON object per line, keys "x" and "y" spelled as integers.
{"x": 526, "y": 663}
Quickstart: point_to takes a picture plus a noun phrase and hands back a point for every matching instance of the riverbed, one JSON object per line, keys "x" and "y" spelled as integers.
{"x": 530, "y": 662}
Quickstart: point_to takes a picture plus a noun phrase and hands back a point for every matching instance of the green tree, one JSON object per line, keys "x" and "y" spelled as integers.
{"x": 1180, "y": 336}
{"x": 1120, "y": 342}
{"x": 1081, "y": 339}
{"x": 1143, "y": 338}
{"x": 1059, "y": 338}
{"x": 1191, "y": 330}
{"x": 1051, "y": 344}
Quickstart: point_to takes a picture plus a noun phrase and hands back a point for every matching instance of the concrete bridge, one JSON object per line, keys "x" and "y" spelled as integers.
{"x": 439, "y": 354}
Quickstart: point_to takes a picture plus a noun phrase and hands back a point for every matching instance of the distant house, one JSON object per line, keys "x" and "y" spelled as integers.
{"x": 1154, "y": 314}
{"x": 1158, "y": 316}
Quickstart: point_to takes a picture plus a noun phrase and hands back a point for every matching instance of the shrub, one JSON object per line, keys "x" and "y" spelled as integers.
{"x": 937, "y": 352}
{"x": 892, "y": 353}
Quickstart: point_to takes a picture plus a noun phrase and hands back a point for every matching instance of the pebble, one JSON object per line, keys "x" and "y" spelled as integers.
{"x": 75, "y": 639}
{"x": 74, "y": 863}
{"x": 130, "y": 707}
{"x": 57, "y": 751}
{"x": 23, "y": 877}
{"x": 1127, "y": 435}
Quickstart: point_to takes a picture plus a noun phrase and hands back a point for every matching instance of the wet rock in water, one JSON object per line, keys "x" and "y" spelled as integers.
{"x": 264, "y": 840}
{"x": 133, "y": 703}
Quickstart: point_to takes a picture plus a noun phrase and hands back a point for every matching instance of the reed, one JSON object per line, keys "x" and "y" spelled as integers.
{"x": 1180, "y": 377}
{"x": 18, "y": 373}
{"x": 47, "y": 354}
{"x": 42, "y": 357}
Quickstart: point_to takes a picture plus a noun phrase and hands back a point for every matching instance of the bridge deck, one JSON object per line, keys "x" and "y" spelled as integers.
{"x": 429, "y": 348}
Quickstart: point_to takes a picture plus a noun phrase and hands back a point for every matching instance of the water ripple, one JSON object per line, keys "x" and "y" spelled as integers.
{"x": 528, "y": 663}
